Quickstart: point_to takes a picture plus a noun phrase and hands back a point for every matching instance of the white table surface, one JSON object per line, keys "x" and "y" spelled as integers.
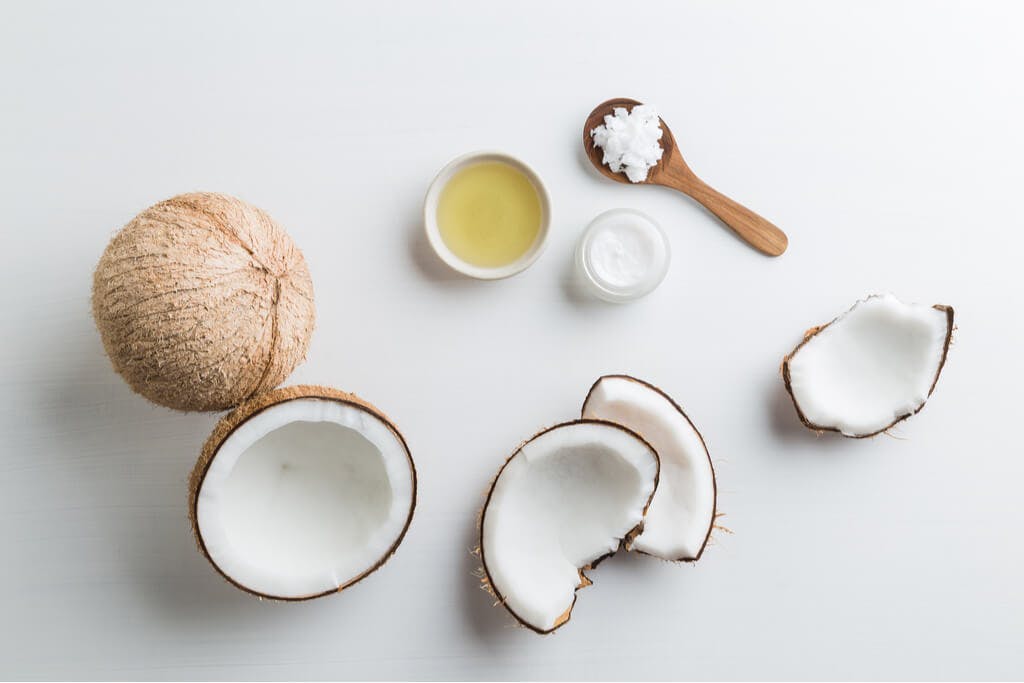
{"x": 885, "y": 138}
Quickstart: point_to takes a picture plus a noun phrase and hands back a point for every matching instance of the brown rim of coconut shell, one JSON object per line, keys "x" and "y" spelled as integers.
{"x": 584, "y": 580}
{"x": 236, "y": 418}
{"x": 811, "y": 333}
{"x": 714, "y": 478}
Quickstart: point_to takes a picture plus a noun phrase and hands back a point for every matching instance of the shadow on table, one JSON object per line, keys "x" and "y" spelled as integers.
{"x": 785, "y": 424}
{"x": 488, "y": 621}
{"x": 575, "y": 289}
{"x": 429, "y": 264}
{"x": 131, "y": 461}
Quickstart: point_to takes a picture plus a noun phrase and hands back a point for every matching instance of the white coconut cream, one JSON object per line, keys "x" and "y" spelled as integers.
{"x": 623, "y": 255}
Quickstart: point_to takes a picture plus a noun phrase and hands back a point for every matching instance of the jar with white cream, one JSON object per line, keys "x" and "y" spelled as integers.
{"x": 622, "y": 255}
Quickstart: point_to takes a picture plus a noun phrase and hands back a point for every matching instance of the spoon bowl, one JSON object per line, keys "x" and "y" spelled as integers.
{"x": 672, "y": 171}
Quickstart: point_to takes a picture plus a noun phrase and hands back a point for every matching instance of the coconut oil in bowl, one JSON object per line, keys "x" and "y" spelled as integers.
{"x": 487, "y": 215}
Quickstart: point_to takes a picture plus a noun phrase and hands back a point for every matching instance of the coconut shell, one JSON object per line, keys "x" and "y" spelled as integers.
{"x": 203, "y": 301}
{"x": 814, "y": 331}
{"x": 585, "y": 581}
{"x": 236, "y": 418}
{"x": 714, "y": 479}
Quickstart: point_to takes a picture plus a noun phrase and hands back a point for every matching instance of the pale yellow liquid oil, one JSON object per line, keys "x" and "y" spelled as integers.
{"x": 489, "y": 214}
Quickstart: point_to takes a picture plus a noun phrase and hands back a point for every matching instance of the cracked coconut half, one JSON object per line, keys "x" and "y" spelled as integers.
{"x": 564, "y": 500}
{"x": 870, "y": 368}
{"x": 682, "y": 512}
{"x": 302, "y": 492}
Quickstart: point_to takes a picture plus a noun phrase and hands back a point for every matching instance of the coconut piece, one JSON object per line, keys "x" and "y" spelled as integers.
{"x": 870, "y": 368}
{"x": 563, "y": 501}
{"x": 682, "y": 512}
{"x": 301, "y": 492}
{"x": 203, "y": 301}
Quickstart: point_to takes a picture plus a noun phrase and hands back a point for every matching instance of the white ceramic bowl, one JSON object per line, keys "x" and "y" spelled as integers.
{"x": 434, "y": 232}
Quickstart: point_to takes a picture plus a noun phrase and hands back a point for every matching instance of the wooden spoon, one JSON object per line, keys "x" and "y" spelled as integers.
{"x": 673, "y": 172}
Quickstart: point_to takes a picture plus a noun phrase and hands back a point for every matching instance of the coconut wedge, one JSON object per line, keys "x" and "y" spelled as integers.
{"x": 870, "y": 368}
{"x": 302, "y": 492}
{"x": 682, "y": 512}
{"x": 563, "y": 501}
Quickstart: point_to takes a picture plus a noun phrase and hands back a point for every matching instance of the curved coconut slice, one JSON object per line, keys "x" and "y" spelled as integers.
{"x": 682, "y": 512}
{"x": 869, "y": 368}
{"x": 566, "y": 499}
{"x": 301, "y": 492}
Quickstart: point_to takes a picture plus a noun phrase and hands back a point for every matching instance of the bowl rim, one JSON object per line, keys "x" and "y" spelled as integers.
{"x": 433, "y": 231}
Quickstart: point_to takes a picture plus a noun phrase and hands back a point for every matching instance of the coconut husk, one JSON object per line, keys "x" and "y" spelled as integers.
{"x": 203, "y": 301}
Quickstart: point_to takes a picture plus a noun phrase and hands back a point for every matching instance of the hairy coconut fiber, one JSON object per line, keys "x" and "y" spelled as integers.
{"x": 203, "y": 301}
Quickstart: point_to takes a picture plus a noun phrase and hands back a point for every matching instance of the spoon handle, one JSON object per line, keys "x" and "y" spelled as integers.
{"x": 752, "y": 228}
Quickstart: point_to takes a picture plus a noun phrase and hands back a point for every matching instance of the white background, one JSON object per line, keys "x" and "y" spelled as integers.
{"x": 884, "y": 138}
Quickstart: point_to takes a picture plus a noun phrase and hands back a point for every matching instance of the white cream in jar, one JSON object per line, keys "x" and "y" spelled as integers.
{"x": 622, "y": 255}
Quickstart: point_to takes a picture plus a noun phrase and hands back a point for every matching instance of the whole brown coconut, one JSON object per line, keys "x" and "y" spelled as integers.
{"x": 203, "y": 301}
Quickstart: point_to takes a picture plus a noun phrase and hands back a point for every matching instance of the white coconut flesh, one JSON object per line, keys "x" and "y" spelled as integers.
{"x": 564, "y": 500}
{"x": 871, "y": 367}
{"x": 304, "y": 498}
{"x": 682, "y": 511}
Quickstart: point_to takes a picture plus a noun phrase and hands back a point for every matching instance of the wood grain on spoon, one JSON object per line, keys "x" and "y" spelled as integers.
{"x": 673, "y": 172}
